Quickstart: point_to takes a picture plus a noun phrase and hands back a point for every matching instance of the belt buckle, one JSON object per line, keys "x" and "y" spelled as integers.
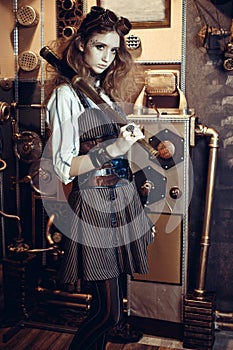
{"x": 103, "y": 172}
{"x": 107, "y": 171}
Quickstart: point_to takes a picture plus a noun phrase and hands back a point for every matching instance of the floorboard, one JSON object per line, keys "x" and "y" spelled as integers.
{"x": 36, "y": 339}
{"x": 39, "y": 338}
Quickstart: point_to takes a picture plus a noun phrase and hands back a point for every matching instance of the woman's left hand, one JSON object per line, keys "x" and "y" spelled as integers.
{"x": 129, "y": 134}
{"x": 132, "y": 133}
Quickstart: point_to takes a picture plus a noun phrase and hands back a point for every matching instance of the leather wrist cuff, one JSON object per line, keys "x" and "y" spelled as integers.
{"x": 99, "y": 156}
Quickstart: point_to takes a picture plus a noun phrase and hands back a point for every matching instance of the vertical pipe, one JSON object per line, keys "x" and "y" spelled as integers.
{"x": 16, "y": 91}
{"x": 205, "y": 240}
{"x": 2, "y": 219}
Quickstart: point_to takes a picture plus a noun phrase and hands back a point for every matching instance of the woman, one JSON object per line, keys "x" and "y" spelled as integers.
{"x": 109, "y": 230}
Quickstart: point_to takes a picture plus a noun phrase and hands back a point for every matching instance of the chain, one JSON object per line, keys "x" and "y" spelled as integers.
{"x": 16, "y": 98}
{"x": 183, "y": 48}
{"x": 42, "y": 96}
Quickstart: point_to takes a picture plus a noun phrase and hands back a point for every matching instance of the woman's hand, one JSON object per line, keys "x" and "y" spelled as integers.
{"x": 129, "y": 134}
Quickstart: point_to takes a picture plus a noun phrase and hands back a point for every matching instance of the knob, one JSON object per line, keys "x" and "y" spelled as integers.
{"x": 175, "y": 192}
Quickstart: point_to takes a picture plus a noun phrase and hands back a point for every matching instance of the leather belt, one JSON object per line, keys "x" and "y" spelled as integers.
{"x": 104, "y": 181}
{"x": 104, "y": 177}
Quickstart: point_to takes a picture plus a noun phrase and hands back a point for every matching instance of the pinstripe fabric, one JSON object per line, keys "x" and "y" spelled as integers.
{"x": 109, "y": 230}
{"x": 104, "y": 245}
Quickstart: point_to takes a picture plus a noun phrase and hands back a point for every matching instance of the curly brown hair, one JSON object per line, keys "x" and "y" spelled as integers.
{"x": 118, "y": 81}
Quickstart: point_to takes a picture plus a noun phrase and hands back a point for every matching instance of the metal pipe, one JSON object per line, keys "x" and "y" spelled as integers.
{"x": 224, "y": 325}
{"x": 3, "y": 164}
{"x": 15, "y": 217}
{"x": 62, "y": 294}
{"x": 68, "y": 304}
{"x": 48, "y": 227}
{"x": 41, "y": 250}
{"x": 32, "y": 105}
{"x": 224, "y": 320}
{"x": 2, "y": 218}
{"x": 220, "y": 314}
{"x": 205, "y": 241}
{"x": 4, "y": 111}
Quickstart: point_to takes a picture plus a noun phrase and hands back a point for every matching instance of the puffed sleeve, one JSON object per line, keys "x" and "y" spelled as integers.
{"x": 62, "y": 112}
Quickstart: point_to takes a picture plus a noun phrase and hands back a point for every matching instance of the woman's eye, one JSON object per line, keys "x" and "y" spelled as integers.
{"x": 115, "y": 51}
{"x": 99, "y": 47}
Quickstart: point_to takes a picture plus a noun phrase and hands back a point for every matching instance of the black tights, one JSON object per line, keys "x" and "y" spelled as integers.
{"x": 106, "y": 312}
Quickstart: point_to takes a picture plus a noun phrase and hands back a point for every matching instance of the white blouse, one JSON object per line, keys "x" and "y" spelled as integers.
{"x": 62, "y": 112}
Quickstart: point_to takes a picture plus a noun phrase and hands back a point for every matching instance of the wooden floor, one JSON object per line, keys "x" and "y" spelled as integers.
{"x": 38, "y": 339}
{"x": 35, "y": 339}
{"x": 28, "y": 337}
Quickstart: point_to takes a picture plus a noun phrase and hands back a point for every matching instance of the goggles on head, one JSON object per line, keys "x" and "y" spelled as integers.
{"x": 99, "y": 17}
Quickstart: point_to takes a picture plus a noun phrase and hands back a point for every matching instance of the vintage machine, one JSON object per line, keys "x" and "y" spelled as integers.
{"x": 166, "y": 184}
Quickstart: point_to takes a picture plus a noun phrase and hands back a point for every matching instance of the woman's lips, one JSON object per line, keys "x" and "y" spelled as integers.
{"x": 102, "y": 66}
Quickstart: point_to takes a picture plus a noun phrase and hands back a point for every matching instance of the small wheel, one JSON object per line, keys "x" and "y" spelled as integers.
{"x": 228, "y": 64}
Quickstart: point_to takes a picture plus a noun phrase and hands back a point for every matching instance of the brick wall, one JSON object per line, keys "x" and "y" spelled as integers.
{"x": 209, "y": 90}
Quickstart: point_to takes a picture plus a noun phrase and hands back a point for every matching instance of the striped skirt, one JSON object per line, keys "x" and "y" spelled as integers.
{"x": 109, "y": 234}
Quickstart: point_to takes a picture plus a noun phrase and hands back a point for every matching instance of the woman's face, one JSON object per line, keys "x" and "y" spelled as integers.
{"x": 101, "y": 50}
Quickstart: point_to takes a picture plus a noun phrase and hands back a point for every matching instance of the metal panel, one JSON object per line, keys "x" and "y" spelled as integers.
{"x": 159, "y": 294}
{"x": 165, "y": 254}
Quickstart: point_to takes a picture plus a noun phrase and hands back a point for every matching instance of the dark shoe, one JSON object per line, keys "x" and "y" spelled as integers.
{"x": 123, "y": 333}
